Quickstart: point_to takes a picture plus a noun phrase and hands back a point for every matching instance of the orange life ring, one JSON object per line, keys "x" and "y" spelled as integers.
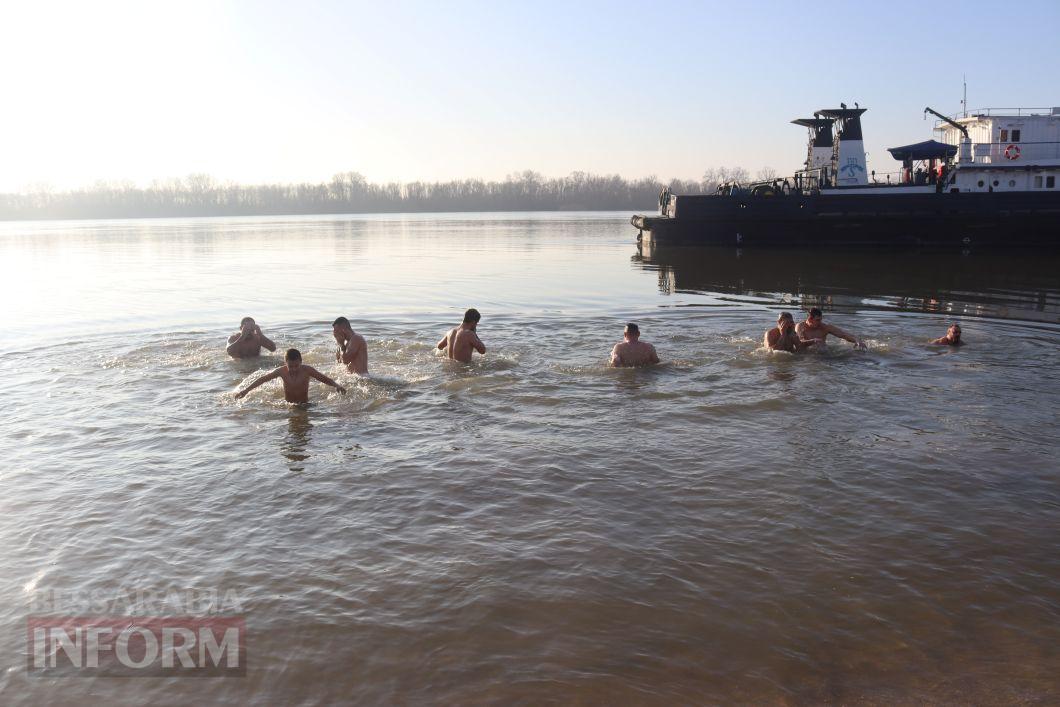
{"x": 1012, "y": 152}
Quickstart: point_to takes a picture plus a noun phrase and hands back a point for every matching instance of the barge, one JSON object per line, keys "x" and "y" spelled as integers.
{"x": 990, "y": 180}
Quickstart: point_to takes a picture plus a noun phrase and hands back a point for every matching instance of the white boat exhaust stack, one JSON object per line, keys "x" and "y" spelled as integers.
{"x": 821, "y": 147}
{"x": 850, "y": 148}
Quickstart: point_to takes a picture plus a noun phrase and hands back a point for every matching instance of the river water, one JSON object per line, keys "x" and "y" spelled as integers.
{"x": 872, "y": 526}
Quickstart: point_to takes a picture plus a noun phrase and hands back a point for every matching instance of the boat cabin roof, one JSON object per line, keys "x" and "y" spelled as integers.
{"x": 927, "y": 150}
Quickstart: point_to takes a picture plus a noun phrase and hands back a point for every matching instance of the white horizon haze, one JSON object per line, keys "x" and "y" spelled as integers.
{"x": 413, "y": 91}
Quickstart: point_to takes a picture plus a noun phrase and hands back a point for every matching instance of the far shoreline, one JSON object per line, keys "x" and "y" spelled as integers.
{"x": 293, "y": 214}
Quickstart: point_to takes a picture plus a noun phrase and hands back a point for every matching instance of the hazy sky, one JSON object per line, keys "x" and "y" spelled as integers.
{"x": 290, "y": 91}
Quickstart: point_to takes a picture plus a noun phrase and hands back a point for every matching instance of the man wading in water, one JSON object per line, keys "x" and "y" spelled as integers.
{"x": 353, "y": 350}
{"x": 295, "y": 376}
{"x": 248, "y": 341}
{"x": 782, "y": 337}
{"x": 461, "y": 342}
{"x": 816, "y": 331}
{"x": 631, "y": 351}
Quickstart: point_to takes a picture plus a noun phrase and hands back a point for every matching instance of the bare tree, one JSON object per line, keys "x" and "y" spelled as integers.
{"x": 766, "y": 174}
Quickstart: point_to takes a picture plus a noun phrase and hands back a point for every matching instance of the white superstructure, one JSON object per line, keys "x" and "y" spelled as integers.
{"x": 1011, "y": 149}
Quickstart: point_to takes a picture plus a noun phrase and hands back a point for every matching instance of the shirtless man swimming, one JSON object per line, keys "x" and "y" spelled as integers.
{"x": 782, "y": 337}
{"x": 459, "y": 343}
{"x": 353, "y": 350}
{"x": 631, "y": 351}
{"x": 248, "y": 341}
{"x": 952, "y": 338}
{"x": 295, "y": 376}
{"x": 816, "y": 331}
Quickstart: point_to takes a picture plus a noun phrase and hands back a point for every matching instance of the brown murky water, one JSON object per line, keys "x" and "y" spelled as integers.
{"x": 878, "y": 526}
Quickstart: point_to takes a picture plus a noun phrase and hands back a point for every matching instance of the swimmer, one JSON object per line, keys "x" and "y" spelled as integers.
{"x": 631, "y": 351}
{"x": 460, "y": 343}
{"x": 952, "y": 338}
{"x": 353, "y": 350}
{"x": 816, "y": 331}
{"x": 782, "y": 337}
{"x": 248, "y": 341}
{"x": 295, "y": 376}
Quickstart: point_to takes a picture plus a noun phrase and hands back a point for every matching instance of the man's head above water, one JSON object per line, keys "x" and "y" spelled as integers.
{"x": 293, "y": 359}
{"x": 785, "y": 322}
{"x": 472, "y": 317}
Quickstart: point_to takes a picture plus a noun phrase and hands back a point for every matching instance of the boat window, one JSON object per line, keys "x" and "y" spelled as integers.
{"x": 980, "y": 182}
{"x": 1012, "y": 182}
{"x": 1004, "y": 136}
{"x": 1038, "y": 182}
{"x": 1015, "y": 136}
{"x": 1050, "y": 182}
{"x": 995, "y": 182}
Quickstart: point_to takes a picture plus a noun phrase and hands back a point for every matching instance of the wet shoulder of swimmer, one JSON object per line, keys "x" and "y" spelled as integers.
{"x": 353, "y": 349}
{"x": 461, "y": 342}
{"x": 295, "y": 376}
{"x": 631, "y": 351}
{"x": 248, "y": 341}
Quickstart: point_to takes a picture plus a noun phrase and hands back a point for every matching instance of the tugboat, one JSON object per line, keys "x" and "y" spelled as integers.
{"x": 991, "y": 180}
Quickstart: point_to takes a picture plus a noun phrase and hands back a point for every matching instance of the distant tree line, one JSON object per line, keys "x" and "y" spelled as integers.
{"x": 349, "y": 192}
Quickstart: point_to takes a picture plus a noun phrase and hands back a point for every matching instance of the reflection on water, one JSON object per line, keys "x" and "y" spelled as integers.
{"x": 1016, "y": 285}
{"x": 732, "y": 527}
{"x": 295, "y": 445}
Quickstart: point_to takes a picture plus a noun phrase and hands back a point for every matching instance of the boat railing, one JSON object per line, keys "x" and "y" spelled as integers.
{"x": 803, "y": 182}
{"x": 1007, "y": 111}
{"x": 884, "y": 178}
{"x": 1014, "y": 153}
{"x": 808, "y": 180}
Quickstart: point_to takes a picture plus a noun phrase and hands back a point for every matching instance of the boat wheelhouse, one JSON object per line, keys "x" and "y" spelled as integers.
{"x": 1009, "y": 149}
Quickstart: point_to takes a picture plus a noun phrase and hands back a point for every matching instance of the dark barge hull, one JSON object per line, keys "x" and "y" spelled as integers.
{"x": 997, "y": 219}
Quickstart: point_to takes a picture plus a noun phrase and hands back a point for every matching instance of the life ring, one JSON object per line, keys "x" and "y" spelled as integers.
{"x": 1012, "y": 152}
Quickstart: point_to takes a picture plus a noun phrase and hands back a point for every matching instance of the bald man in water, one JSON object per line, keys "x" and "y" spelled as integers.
{"x": 460, "y": 343}
{"x": 952, "y": 338}
{"x": 631, "y": 351}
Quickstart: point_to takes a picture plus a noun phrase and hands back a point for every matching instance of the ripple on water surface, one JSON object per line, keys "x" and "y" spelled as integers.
{"x": 731, "y": 526}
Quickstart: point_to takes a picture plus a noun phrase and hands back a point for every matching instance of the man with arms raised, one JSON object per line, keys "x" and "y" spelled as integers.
{"x": 782, "y": 337}
{"x": 248, "y": 341}
{"x": 353, "y": 350}
{"x": 816, "y": 331}
{"x": 631, "y": 351}
{"x": 459, "y": 343}
{"x": 295, "y": 376}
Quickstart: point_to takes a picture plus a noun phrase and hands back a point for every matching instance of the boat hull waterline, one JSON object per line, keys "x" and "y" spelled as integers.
{"x": 1013, "y": 219}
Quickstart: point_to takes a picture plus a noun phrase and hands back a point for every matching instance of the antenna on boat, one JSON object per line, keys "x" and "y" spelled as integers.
{"x": 964, "y": 101}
